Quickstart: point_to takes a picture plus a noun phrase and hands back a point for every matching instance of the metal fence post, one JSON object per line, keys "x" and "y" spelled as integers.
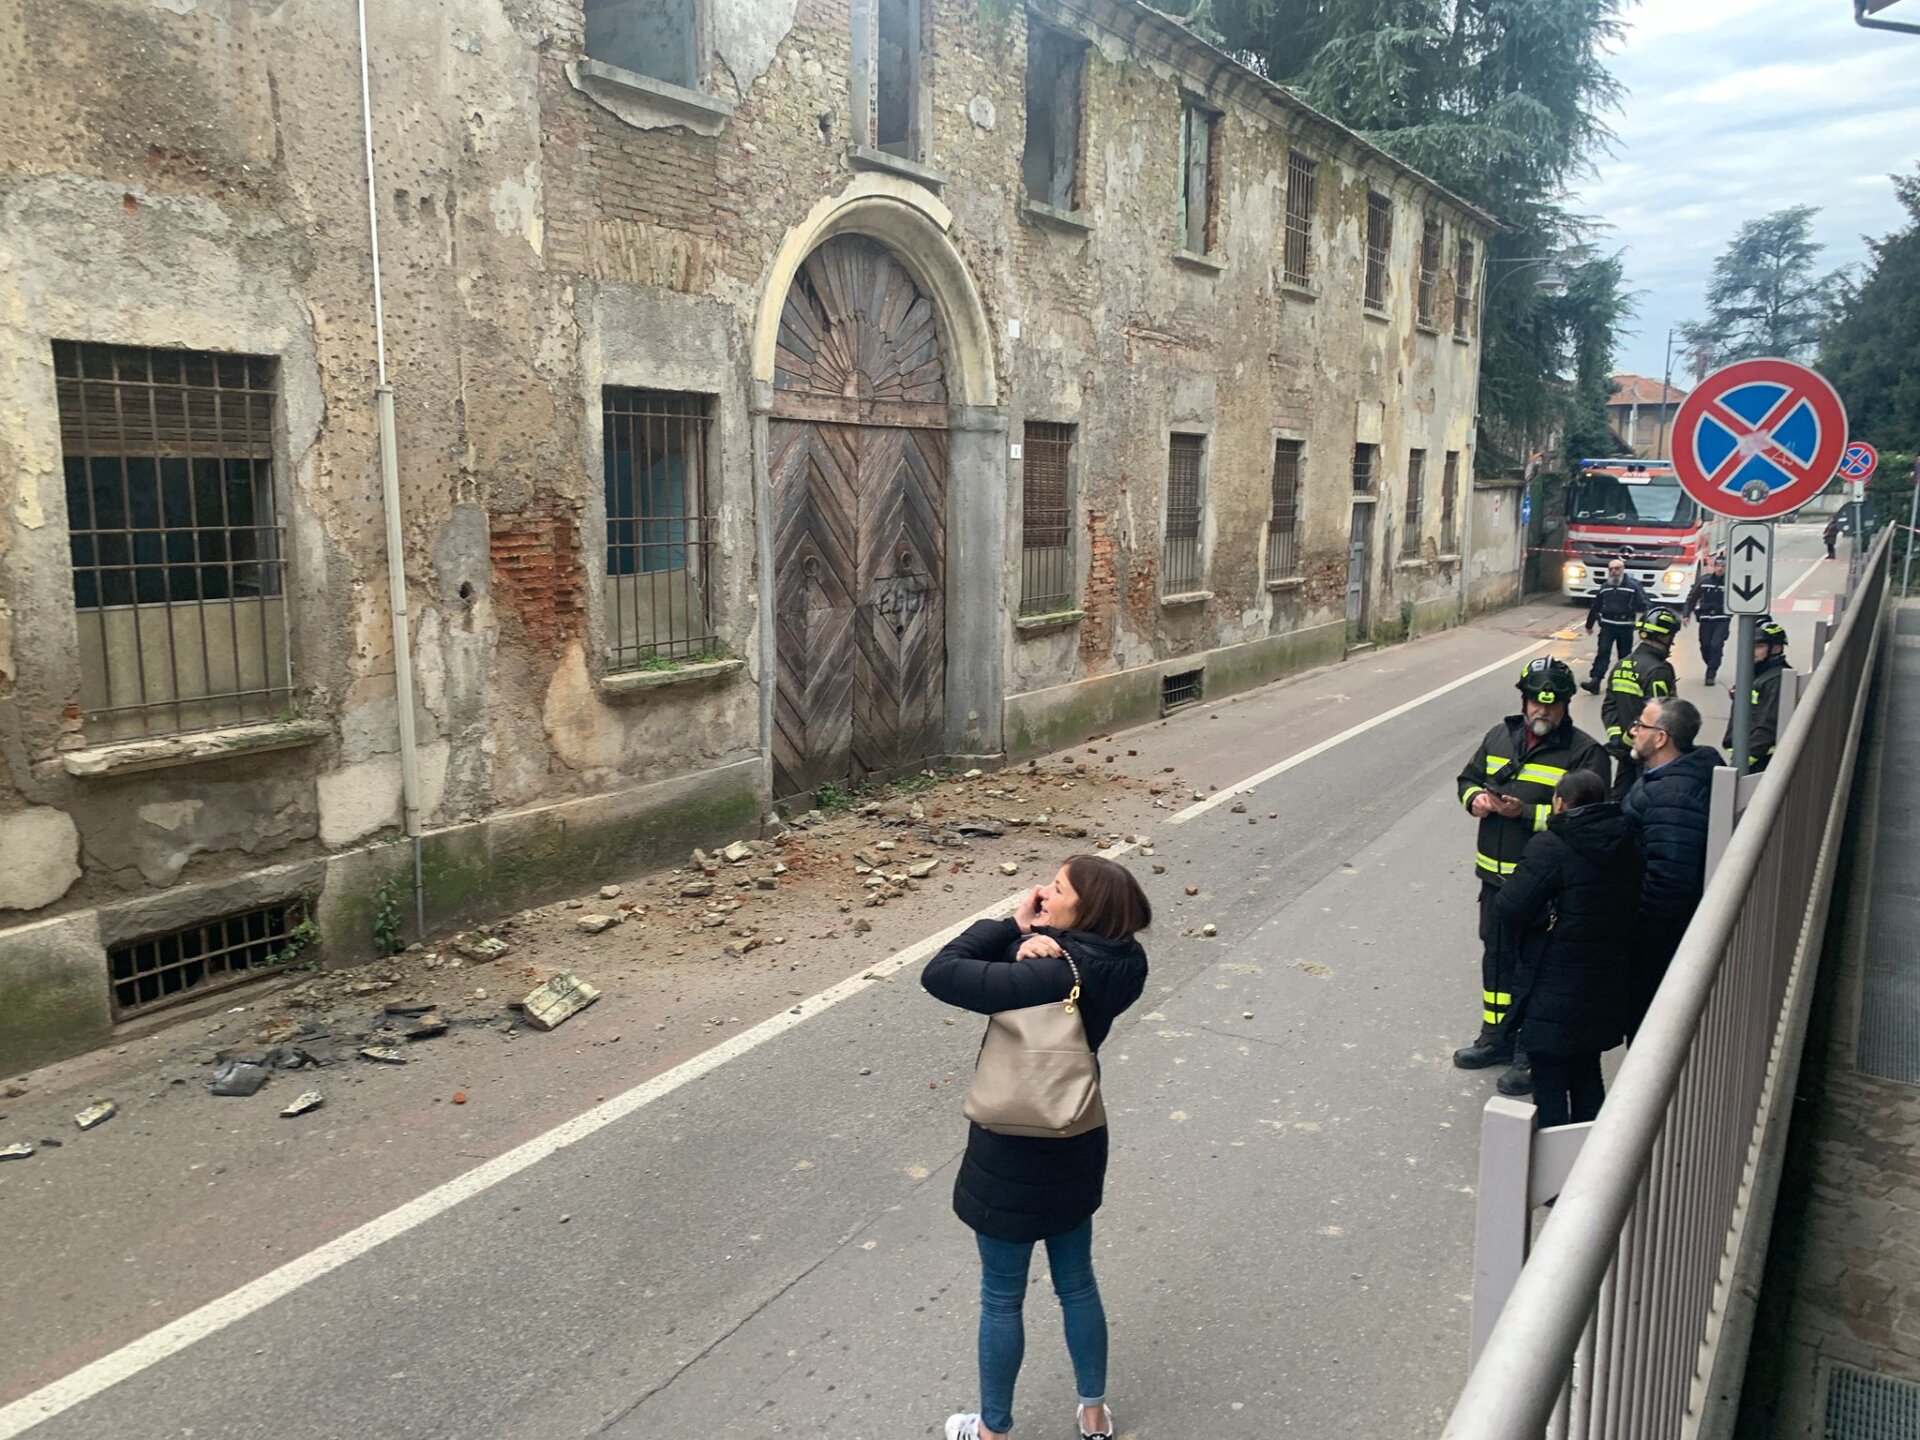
{"x": 1502, "y": 1218}
{"x": 1722, "y": 815}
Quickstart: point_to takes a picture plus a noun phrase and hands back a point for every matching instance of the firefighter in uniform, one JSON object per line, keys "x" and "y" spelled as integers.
{"x": 1707, "y": 608}
{"x": 1769, "y": 663}
{"x": 1646, "y": 674}
{"x": 1508, "y": 786}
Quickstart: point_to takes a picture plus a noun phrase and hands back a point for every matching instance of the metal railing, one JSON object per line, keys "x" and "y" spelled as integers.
{"x": 1630, "y": 1318}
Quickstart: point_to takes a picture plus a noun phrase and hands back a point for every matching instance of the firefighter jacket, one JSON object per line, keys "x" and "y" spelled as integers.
{"x": 1505, "y": 765}
{"x": 1617, "y": 605}
{"x": 1708, "y": 598}
{"x": 1646, "y": 674}
{"x": 1763, "y": 731}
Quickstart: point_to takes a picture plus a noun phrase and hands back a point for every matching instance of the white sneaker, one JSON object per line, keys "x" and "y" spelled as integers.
{"x": 1086, "y": 1434}
{"x": 963, "y": 1427}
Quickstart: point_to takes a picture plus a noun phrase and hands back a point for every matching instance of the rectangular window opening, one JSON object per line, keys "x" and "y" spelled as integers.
{"x": 1046, "y": 529}
{"x": 1365, "y": 461}
{"x": 1429, "y": 289}
{"x": 176, "y": 545}
{"x": 1450, "y": 504}
{"x": 1052, "y": 160}
{"x": 1199, "y": 136}
{"x": 1180, "y": 560}
{"x": 1463, "y": 291}
{"x": 181, "y": 965}
{"x": 1298, "y": 262}
{"x": 1411, "y": 533}
{"x": 1379, "y": 247}
{"x": 1284, "y": 515}
{"x": 897, "y": 78}
{"x": 1177, "y": 691}
{"x": 655, "y": 38}
{"x": 657, "y": 599}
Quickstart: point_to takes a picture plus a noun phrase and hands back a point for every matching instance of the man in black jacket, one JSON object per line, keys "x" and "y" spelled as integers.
{"x": 1508, "y": 786}
{"x": 1617, "y": 606}
{"x": 1646, "y": 674}
{"x": 1769, "y": 665}
{"x": 1667, "y": 808}
{"x": 1707, "y": 608}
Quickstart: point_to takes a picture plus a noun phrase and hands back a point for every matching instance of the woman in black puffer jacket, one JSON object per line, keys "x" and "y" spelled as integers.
{"x": 1572, "y": 902}
{"x": 1015, "y": 1191}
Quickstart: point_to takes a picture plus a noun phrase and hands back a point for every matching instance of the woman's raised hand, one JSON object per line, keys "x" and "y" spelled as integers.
{"x": 1040, "y": 947}
{"x": 1027, "y": 911}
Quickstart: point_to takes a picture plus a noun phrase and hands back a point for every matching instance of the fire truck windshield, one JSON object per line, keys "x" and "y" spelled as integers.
{"x": 1604, "y": 499}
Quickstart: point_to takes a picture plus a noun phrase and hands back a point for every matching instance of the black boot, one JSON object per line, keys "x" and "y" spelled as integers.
{"x": 1519, "y": 1078}
{"x": 1592, "y": 687}
{"x": 1490, "y": 1049}
{"x": 1712, "y": 676}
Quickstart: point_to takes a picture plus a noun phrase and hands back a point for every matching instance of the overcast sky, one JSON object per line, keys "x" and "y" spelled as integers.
{"x": 1737, "y": 108}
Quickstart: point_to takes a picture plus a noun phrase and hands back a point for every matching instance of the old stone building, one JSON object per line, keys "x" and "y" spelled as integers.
{"x": 758, "y": 393}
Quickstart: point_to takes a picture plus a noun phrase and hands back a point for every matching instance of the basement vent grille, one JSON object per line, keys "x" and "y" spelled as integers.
{"x": 176, "y": 967}
{"x": 1861, "y": 1406}
{"x": 1180, "y": 690}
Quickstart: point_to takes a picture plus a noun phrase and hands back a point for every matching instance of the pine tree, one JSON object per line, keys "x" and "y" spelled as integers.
{"x": 1765, "y": 297}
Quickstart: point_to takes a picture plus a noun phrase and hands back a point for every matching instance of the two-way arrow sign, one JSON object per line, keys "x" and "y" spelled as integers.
{"x": 1750, "y": 567}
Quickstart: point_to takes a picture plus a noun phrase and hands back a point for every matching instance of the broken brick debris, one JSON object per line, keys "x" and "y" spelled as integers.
{"x": 559, "y": 1000}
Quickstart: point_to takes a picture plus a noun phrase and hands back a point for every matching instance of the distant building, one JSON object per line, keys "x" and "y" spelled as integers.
{"x": 1640, "y": 414}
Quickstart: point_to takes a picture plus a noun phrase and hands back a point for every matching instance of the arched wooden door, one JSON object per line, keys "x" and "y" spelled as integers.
{"x": 858, "y": 447}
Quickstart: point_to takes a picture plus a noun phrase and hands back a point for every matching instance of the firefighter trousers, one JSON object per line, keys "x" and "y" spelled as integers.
{"x": 1713, "y": 640}
{"x": 1499, "y": 963}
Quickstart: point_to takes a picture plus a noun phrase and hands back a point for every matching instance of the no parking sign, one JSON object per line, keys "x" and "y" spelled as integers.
{"x": 1759, "y": 438}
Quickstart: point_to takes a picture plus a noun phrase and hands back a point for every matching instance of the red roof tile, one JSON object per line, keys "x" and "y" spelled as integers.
{"x": 1638, "y": 390}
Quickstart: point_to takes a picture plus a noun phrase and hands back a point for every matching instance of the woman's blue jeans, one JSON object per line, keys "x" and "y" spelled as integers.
{"x": 1003, "y": 1338}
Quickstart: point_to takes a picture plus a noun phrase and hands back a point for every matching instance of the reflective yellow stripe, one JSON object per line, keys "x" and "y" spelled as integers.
{"x": 1493, "y": 1017}
{"x": 1496, "y": 997}
{"x": 1627, "y": 686}
{"x": 1543, "y": 774}
{"x": 1495, "y": 762}
{"x": 1660, "y": 687}
{"x": 1493, "y": 866}
{"x": 1540, "y": 815}
{"x": 1466, "y": 800}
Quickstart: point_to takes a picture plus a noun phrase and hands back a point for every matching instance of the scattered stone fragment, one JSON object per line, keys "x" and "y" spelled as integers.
{"x": 922, "y": 869}
{"x": 699, "y": 858}
{"x": 1007, "y": 867}
{"x": 369, "y": 987}
{"x": 15, "y": 1090}
{"x": 309, "y": 1100}
{"x": 862, "y": 927}
{"x": 559, "y": 1000}
{"x": 867, "y": 858}
{"x": 596, "y": 924}
{"x": 1209, "y": 930}
{"x": 987, "y": 829}
{"x": 289, "y": 1057}
{"x": 865, "y": 1070}
{"x": 385, "y": 1054}
{"x": 1239, "y": 807}
{"x": 741, "y": 947}
{"x": 96, "y": 1114}
{"x": 976, "y": 774}
{"x": 766, "y": 882}
{"x": 459, "y": 1097}
{"x": 1159, "y": 869}
{"x": 46, "y": 1144}
{"x": 609, "y": 892}
{"x": 479, "y": 948}
{"x": 779, "y": 868}
{"x": 1193, "y": 889}
{"x": 694, "y": 889}
{"x": 1246, "y": 1014}
{"x": 20, "y": 1150}
{"x": 426, "y": 1027}
{"x": 410, "y": 1007}
{"x": 737, "y": 853}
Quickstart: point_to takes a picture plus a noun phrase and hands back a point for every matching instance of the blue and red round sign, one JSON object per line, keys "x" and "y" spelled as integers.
{"x": 1759, "y": 438}
{"x": 1860, "y": 461}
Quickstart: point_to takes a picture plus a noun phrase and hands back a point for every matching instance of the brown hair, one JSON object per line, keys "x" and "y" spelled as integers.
{"x": 1111, "y": 900}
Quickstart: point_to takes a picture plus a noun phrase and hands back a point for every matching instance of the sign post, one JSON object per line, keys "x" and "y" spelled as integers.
{"x": 1913, "y": 519}
{"x": 1859, "y": 462}
{"x": 1749, "y": 591}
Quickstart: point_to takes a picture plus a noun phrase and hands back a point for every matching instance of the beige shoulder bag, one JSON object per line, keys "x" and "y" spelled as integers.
{"x": 1036, "y": 1075}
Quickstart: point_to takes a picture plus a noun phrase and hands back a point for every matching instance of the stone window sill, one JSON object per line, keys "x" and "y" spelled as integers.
{"x": 1186, "y": 597}
{"x": 1360, "y": 497}
{"x": 1452, "y": 558}
{"x": 1412, "y": 562}
{"x": 124, "y": 757}
{"x": 1375, "y": 312}
{"x": 1426, "y": 327}
{"x": 1300, "y": 290}
{"x": 1042, "y": 624}
{"x": 657, "y": 99}
{"x": 1291, "y": 582}
{"x": 623, "y": 683}
{"x": 865, "y": 157}
{"x": 1075, "y": 220}
{"x": 1460, "y": 339}
{"x": 1211, "y": 264}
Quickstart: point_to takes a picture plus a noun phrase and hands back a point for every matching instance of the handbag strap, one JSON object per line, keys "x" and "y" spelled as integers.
{"x": 1073, "y": 996}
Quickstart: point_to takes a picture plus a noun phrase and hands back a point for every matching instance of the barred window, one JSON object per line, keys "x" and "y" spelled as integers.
{"x": 1046, "y": 532}
{"x": 1411, "y": 533}
{"x": 1450, "y": 505}
{"x": 1283, "y": 518}
{"x": 1297, "y": 265}
{"x": 1365, "y": 459}
{"x": 1429, "y": 289}
{"x": 657, "y": 596}
{"x": 1180, "y": 567}
{"x": 1379, "y": 245}
{"x": 655, "y": 38}
{"x": 1199, "y": 133}
{"x": 181, "y": 965}
{"x": 176, "y": 543}
{"x": 1463, "y": 291}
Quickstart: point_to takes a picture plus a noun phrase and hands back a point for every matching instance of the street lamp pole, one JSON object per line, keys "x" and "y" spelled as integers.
{"x": 1666, "y": 389}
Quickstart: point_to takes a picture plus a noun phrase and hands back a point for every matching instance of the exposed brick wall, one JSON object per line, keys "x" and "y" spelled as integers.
{"x": 537, "y": 575}
{"x": 1102, "y": 601}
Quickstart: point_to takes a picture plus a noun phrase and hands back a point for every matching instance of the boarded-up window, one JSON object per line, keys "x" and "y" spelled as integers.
{"x": 1429, "y": 288}
{"x": 1450, "y": 505}
{"x": 1365, "y": 461}
{"x": 654, "y": 38}
{"x": 1301, "y": 178}
{"x": 1463, "y": 291}
{"x": 656, "y": 601}
{"x": 1046, "y": 531}
{"x": 1052, "y": 160}
{"x": 1411, "y": 533}
{"x": 1180, "y": 568}
{"x": 1379, "y": 246}
{"x": 1199, "y": 134}
{"x": 178, "y": 576}
{"x": 1283, "y": 517}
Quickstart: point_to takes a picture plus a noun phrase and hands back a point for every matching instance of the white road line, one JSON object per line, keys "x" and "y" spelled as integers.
{"x": 1787, "y": 594}
{"x": 59, "y": 1396}
{"x": 1199, "y": 808}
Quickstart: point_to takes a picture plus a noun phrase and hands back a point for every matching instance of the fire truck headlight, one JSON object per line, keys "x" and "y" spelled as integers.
{"x": 1576, "y": 572}
{"x": 1674, "y": 579}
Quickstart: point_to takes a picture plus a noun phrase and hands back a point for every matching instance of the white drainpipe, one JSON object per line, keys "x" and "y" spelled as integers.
{"x": 390, "y": 504}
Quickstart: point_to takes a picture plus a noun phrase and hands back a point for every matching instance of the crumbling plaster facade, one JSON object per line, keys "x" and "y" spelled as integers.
{"x": 190, "y": 174}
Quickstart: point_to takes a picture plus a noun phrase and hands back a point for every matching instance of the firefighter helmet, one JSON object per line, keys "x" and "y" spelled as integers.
{"x": 1547, "y": 680}
{"x": 1769, "y": 631}
{"x": 1660, "y": 622}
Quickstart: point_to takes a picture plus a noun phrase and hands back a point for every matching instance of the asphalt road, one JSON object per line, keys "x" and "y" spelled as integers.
{"x": 767, "y": 1249}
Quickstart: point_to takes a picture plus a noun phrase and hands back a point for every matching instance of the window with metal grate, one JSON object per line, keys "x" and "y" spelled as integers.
{"x": 1283, "y": 516}
{"x": 660, "y": 538}
{"x": 1046, "y": 531}
{"x": 1379, "y": 247}
{"x": 1429, "y": 289}
{"x": 1463, "y": 290}
{"x": 1412, "y": 532}
{"x": 178, "y": 578}
{"x": 1365, "y": 462}
{"x": 1297, "y": 263}
{"x": 1180, "y": 559}
{"x": 180, "y": 965}
{"x": 1185, "y": 688}
{"x": 1450, "y": 505}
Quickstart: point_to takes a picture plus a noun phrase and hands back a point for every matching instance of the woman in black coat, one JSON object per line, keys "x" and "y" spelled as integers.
{"x": 1015, "y": 1191}
{"x": 1572, "y": 901}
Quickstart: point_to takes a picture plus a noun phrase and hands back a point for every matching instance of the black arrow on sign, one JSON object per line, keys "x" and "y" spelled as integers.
{"x": 1746, "y": 590}
{"x": 1750, "y": 545}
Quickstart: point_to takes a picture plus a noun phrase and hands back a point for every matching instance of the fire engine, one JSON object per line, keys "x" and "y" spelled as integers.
{"x": 1634, "y": 509}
